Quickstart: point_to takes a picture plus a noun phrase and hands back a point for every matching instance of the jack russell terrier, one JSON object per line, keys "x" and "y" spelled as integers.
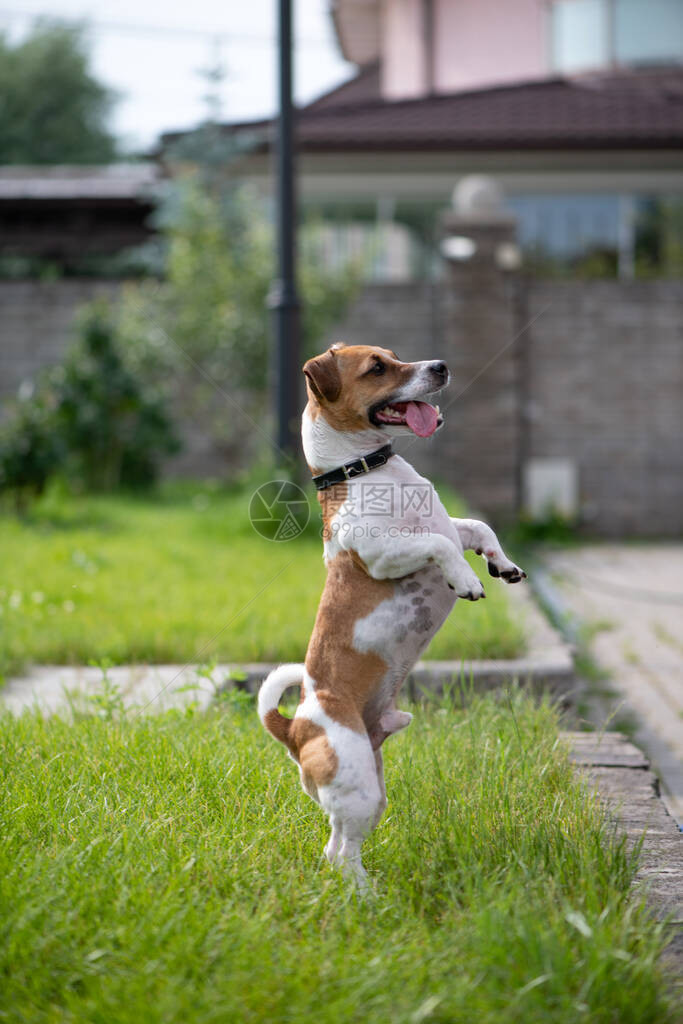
{"x": 395, "y": 568}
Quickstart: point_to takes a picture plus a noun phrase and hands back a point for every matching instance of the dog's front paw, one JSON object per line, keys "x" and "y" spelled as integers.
{"x": 506, "y": 569}
{"x": 466, "y": 585}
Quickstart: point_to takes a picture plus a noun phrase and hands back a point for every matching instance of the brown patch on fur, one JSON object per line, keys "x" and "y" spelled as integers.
{"x": 340, "y": 385}
{"x": 331, "y": 500}
{"x": 345, "y": 679}
{"x": 307, "y": 743}
{"x": 312, "y": 749}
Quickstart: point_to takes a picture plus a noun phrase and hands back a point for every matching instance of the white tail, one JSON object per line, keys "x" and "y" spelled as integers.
{"x": 269, "y": 696}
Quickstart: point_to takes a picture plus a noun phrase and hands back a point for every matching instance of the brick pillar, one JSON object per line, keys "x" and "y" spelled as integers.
{"x": 480, "y": 438}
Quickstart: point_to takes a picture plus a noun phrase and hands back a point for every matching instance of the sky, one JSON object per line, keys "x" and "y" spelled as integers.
{"x": 153, "y": 54}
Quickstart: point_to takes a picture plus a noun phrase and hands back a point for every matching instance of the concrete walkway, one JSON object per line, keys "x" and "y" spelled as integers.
{"x": 154, "y": 688}
{"x": 631, "y": 598}
{"x": 547, "y": 666}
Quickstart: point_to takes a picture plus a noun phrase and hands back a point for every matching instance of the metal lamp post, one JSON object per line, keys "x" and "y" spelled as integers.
{"x": 283, "y": 299}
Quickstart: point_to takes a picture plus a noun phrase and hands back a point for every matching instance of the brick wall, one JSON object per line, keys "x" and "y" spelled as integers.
{"x": 36, "y": 324}
{"x": 37, "y": 321}
{"x": 604, "y": 387}
{"x": 588, "y": 371}
{"x": 595, "y": 376}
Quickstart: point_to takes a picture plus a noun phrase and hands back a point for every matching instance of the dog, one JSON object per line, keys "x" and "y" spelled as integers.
{"x": 395, "y": 568}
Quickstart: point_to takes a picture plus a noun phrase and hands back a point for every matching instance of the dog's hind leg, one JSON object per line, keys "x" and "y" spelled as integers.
{"x": 332, "y": 848}
{"x": 394, "y": 720}
{"x": 354, "y": 801}
{"x": 350, "y": 860}
{"x": 389, "y": 722}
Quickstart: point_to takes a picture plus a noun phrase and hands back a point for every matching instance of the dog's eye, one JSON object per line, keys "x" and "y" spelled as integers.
{"x": 377, "y": 368}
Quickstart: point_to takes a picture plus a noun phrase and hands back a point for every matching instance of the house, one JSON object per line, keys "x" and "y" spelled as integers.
{"x": 568, "y": 392}
{"x": 574, "y": 106}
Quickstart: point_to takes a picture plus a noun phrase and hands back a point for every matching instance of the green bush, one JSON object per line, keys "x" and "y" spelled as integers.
{"x": 114, "y": 428}
{"x": 30, "y": 449}
{"x": 89, "y": 417}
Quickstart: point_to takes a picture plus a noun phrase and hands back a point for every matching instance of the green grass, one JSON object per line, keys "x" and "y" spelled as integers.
{"x": 169, "y": 869}
{"x": 182, "y": 577}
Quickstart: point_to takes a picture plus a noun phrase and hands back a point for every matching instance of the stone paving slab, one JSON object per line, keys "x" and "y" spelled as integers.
{"x": 610, "y": 750}
{"x": 622, "y": 777}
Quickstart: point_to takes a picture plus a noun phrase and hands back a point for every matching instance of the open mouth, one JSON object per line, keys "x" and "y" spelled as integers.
{"x": 420, "y": 417}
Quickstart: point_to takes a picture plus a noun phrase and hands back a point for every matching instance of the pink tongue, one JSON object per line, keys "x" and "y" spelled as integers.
{"x": 422, "y": 418}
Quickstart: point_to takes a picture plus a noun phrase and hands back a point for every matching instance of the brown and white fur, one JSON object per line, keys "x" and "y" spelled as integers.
{"x": 392, "y": 580}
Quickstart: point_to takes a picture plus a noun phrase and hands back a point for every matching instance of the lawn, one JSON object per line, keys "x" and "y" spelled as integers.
{"x": 169, "y": 869}
{"x": 182, "y": 576}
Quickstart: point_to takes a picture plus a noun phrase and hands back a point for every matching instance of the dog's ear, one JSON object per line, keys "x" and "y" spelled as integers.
{"x": 323, "y": 376}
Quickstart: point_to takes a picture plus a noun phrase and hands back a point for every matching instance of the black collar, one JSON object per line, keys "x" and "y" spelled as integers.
{"x": 352, "y": 469}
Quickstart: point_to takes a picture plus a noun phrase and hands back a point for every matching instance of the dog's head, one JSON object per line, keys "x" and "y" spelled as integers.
{"x": 357, "y": 387}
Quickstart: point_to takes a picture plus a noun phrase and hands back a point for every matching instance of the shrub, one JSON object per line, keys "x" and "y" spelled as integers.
{"x": 114, "y": 428}
{"x": 30, "y": 449}
{"x": 89, "y": 417}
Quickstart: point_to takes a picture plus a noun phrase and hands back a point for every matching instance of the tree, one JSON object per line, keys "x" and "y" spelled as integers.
{"x": 52, "y": 109}
{"x": 203, "y": 334}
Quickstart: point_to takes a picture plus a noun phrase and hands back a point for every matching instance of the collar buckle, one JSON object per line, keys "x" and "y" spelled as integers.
{"x": 351, "y": 470}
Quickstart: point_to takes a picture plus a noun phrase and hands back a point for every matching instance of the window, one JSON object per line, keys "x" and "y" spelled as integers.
{"x": 601, "y": 235}
{"x": 592, "y": 34}
{"x": 565, "y": 227}
{"x": 648, "y": 33}
{"x": 579, "y": 35}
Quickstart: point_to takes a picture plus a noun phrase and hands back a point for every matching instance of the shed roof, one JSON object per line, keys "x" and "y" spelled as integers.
{"x": 112, "y": 181}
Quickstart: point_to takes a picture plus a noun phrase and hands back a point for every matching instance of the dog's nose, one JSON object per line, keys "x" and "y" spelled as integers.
{"x": 438, "y": 366}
